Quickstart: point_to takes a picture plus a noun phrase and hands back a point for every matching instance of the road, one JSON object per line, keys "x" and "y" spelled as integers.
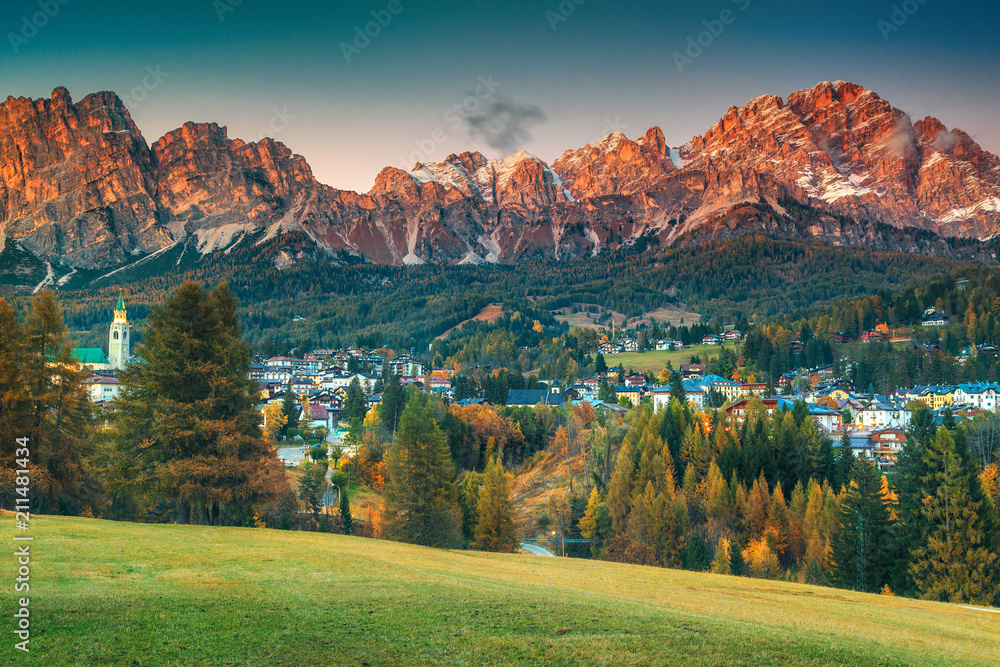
{"x": 536, "y": 550}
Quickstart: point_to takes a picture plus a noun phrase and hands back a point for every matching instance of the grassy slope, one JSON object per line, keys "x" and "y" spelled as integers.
{"x": 656, "y": 360}
{"x": 132, "y": 594}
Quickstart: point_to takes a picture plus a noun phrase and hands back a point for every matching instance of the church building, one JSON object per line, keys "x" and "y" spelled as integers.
{"x": 118, "y": 337}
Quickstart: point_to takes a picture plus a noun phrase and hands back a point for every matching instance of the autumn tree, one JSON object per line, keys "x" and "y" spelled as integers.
{"x": 14, "y": 404}
{"x": 186, "y": 429}
{"x": 420, "y": 493}
{"x": 274, "y": 420}
{"x": 59, "y": 423}
{"x": 495, "y": 511}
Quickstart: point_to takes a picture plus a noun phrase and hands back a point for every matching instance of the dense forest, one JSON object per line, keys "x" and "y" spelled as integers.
{"x": 316, "y": 303}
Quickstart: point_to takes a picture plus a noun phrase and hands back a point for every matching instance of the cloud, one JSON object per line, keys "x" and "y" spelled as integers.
{"x": 505, "y": 124}
{"x": 945, "y": 141}
{"x": 901, "y": 141}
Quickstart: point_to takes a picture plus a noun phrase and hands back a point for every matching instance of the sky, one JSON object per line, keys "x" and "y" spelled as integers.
{"x": 358, "y": 86}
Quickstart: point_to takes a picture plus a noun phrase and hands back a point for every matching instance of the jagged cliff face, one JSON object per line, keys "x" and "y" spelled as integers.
{"x": 842, "y": 148}
{"x": 78, "y": 184}
{"x": 76, "y": 180}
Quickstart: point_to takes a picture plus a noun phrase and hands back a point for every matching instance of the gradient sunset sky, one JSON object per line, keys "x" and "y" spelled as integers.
{"x": 560, "y": 74}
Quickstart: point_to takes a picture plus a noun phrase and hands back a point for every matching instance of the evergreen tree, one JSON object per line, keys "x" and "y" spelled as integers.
{"x": 393, "y": 402}
{"x": 845, "y": 463}
{"x": 355, "y": 405}
{"x": 737, "y": 566}
{"x": 290, "y": 409}
{"x": 696, "y": 556}
{"x": 677, "y": 389}
{"x": 863, "y": 511}
{"x": 495, "y": 508}
{"x": 600, "y": 365}
{"x": 185, "y": 428}
{"x": 420, "y": 492}
{"x": 956, "y": 563}
{"x": 346, "y": 520}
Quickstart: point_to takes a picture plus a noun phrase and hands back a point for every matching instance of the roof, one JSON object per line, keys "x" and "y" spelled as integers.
{"x": 533, "y": 397}
{"x": 90, "y": 355}
{"x": 101, "y": 379}
{"x": 121, "y": 303}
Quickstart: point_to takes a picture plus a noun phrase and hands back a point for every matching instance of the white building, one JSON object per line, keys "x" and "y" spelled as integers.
{"x": 983, "y": 396}
{"x": 877, "y": 415}
{"x": 102, "y": 388}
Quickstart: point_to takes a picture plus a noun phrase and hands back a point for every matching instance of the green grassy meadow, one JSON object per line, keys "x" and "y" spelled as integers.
{"x": 106, "y": 593}
{"x": 655, "y": 360}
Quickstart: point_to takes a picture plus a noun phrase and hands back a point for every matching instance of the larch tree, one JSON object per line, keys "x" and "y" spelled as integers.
{"x": 421, "y": 497}
{"x": 495, "y": 509}
{"x": 14, "y": 404}
{"x": 186, "y": 429}
{"x": 59, "y": 425}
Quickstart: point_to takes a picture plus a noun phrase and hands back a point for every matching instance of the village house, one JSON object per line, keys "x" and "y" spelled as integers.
{"x": 887, "y": 443}
{"x": 980, "y": 395}
{"x": 629, "y": 344}
{"x": 610, "y": 347}
{"x": 880, "y": 415}
{"x": 873, "y": 335}
{"x": 934, "y": 318}
{"x": 101, "y": 388}
{"x": 689, "y": 371}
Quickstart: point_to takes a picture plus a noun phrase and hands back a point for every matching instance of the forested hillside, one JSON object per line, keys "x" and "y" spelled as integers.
{"x": 406, "y": 307}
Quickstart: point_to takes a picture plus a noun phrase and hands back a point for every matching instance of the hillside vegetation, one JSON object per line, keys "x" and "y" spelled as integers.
{"x": 110, "y": 593}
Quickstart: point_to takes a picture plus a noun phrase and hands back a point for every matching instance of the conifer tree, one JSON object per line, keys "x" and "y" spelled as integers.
{"x": 845, "y": 463}
{"x": 14, "y": 404}
{"x": 186, "y": 429}
{"x": 60, "y": 421}
{"x": 290, "y": 410}
{"x": 863, "y": 537}
{"x": 393, "y": 402}
{"x": 355, "y": 406}
{"x": 956, "y": 564}
{"x": 596, "y": 522}
{"x": 495, "y": 525}
{"x": 420, "y": 493}
{"x": 346, "y": 520}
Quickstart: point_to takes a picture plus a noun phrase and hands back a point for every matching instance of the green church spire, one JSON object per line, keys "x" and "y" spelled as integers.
{"x": 121, "y": 303}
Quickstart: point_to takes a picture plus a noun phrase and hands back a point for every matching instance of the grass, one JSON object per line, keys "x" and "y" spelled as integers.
{"x": 106, "y": 593}
{"x": 656, "y": 360}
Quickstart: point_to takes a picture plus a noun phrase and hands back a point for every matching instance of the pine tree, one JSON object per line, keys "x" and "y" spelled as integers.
{"x": 355, "y": 405}
{"x": 290, "y": 410}
{"x": 696, "y": 556}
{"x": 393, "y": 402}
{"x": 845, "y": 463}
{"x": 346, "y": 520}
{"x": 864, "y": 524}
{"x": 956, "y": 564}
{"x": 186, "y": 429}
{"x": 495, "y": 508}
{"x": 420, "y": 494}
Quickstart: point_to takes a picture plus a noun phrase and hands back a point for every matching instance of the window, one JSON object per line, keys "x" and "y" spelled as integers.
{"x": 116, "y": 335}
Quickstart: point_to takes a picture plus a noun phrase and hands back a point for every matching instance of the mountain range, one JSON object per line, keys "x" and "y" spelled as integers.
{"x": 81, "y": 187}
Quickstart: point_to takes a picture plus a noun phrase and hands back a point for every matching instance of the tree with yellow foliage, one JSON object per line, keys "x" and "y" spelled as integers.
{"x": 274, "y": 420}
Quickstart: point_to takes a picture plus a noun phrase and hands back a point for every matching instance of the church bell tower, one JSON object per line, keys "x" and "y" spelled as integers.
{"x": 118, "y": 343}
